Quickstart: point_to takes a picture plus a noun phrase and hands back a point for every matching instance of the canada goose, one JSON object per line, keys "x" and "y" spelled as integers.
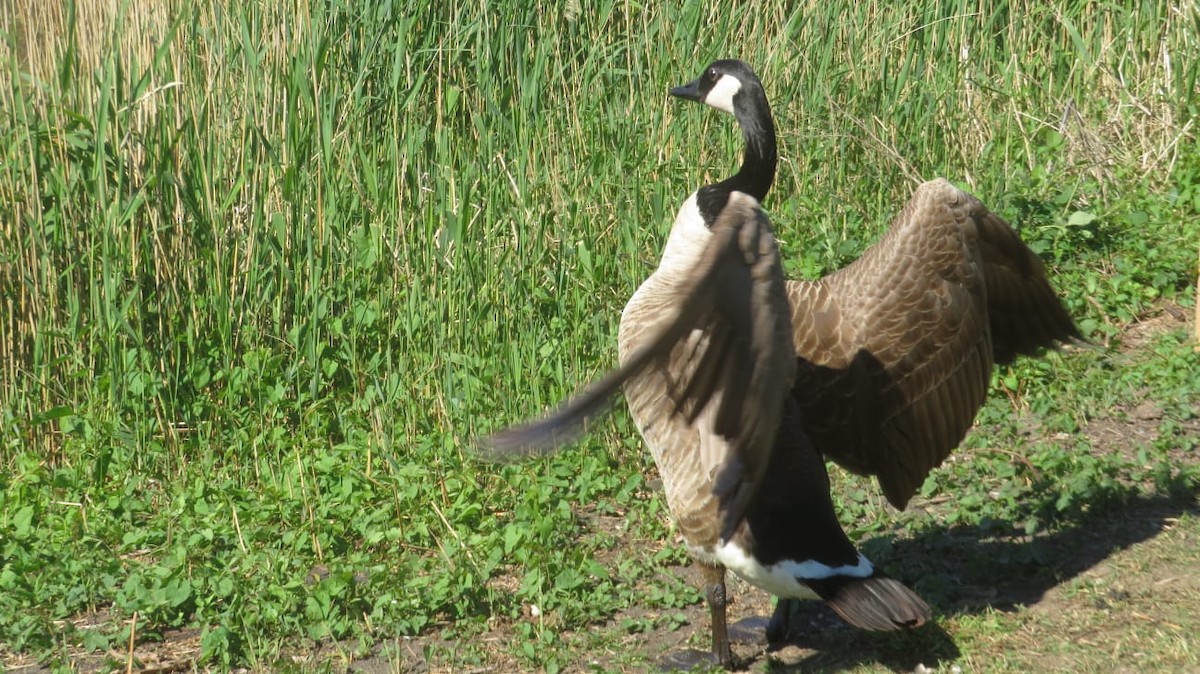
{"x": 895, "y": 351}
{"x": 898, "y": 390}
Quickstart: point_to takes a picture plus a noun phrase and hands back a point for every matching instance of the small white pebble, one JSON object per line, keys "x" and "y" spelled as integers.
{"x": 922, "y": 669}
{"x": 534, "y": 611}
{"x": 955, "y": 669}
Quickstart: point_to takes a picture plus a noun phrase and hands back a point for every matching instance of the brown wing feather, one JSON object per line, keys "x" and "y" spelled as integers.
{"x": 715, "y": 354}
{"x": 1025, "y": 313}
{"x": 896, "y": 350}
{"x": 739, "y": 356}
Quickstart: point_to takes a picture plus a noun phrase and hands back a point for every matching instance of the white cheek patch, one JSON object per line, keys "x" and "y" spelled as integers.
{"x": 722, "y": 93}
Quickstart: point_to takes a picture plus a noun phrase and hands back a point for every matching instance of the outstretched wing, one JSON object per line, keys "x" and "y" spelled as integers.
{"x": 896, "y": 350}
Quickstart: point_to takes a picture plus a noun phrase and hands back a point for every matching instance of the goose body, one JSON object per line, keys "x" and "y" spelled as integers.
{"x": 789, "y": 541}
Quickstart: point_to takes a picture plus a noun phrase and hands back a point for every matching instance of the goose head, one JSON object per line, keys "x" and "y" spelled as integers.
{"x": 720, "y": 84}
{"x": 731, "y": 86}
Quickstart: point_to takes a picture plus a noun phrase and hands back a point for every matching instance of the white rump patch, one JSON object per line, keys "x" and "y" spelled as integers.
{"x": 722, "y": 93}
{"x": 780, "y": 579}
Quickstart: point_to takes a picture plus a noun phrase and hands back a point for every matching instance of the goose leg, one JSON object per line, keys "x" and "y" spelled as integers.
{"x": 713, "y": 578}
{"x": 721, "y": 654}
{"x": 714, "y": 585}
{"x": 780, "y": 625}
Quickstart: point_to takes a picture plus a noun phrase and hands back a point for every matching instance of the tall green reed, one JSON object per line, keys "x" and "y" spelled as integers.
{"x": 271, "y": 215}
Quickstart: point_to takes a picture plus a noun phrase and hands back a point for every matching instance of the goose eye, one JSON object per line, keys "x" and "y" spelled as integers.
{"x": 712, "y": 73}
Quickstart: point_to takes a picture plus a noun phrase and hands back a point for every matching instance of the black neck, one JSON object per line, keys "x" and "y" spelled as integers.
{"x": 758, "y": 164}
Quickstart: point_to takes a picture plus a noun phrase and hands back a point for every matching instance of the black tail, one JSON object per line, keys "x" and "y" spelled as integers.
{"x": 877, "y": 603}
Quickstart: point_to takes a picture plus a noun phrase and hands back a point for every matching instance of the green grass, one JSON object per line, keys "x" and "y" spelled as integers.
{"x": 265, "y": 271}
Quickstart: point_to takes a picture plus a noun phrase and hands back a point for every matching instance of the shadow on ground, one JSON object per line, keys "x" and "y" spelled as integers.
{"x": 970, "y": 569}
